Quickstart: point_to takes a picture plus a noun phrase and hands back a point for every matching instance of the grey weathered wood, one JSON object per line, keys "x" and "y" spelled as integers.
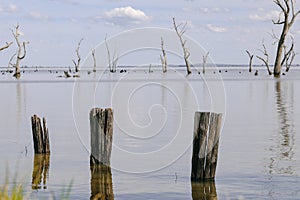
{"x": 215, "y": 150}
{"x": 201, "y": 121}
{"x": 212, "y": 145}
{"x": 46, "y": 143}
{"x": 40, "y": 136}
{"x": 207, "y": 128}
{"x": 101, "y": 125}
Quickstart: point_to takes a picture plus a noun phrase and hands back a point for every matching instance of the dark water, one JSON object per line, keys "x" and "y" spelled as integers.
{"x": 151, "y": 158}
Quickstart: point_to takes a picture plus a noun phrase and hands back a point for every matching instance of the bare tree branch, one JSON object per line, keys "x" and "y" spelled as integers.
{"x": 294, "y": 14}
{"x": 180, "y": 30}
{"x": 24, "y": 52}
{"x": 274, "y": 36}
{"x": 205, "y": 57}
{"x": 250, "y": 60}
{"x": 6, "y": 46}
{"x": 278, "y": 2}
{"x": 77, "y": 64}
{"x": 108, "y": 55}
{"x": 10, "y": 60}
{"x": 266, "y": 59}
{"x": 287, "y": 54}
{"x": 282, "y": 55}
{"x": 266, "y": 63}
{"x": 94, "y": 59}
{"x": 287, "y": 5}
{"x": 163, "y": 56}
{"x": 21, "y": 45}
{"x": 289, "y": 64}
{"x": 112, "y": 62}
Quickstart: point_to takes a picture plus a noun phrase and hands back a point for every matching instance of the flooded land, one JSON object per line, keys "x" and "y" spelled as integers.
{"x": 259, "y": 152}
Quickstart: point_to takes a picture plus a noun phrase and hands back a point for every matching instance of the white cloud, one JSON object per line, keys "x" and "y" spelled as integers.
{"x": 38, "y": 16}
{"x": 125, "y": 15}
{"x": 271, "y": 15}
{"x": 214, "y": 10}
{"x": 217, "y": 29}
{"x": 11, "y": 8}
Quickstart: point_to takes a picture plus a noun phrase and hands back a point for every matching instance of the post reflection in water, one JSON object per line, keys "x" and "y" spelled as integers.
{"x": 204, "y": 190}
{"x": 284, "y": 141}
{"x": 101, "y": 183}
{"x": 40, "y": 171}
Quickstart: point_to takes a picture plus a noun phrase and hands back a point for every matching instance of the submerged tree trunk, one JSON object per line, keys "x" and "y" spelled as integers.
{"x": 77, "y": 64}
{"x": 266, "y": 59}
{"x": 280, "y": 50}
{"x": 180, "y": 30}
{"x": 288, "y": 9}
{"x": 112, "y": 61}
{"x": 163, "y": 57}
{"x": 250, "y": 60}
{"x": 94, "y": 59}
{"x": 204, "y": 62}
{"x": 21, "y": 45}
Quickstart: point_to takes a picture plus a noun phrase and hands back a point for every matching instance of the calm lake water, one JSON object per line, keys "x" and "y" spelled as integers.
{"x": 259, "y": 153}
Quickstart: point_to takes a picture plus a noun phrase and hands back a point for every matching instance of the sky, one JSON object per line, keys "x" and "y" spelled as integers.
{"x": 224, "y": 28}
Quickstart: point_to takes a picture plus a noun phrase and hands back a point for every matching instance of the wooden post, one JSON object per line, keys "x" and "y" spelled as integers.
{"x": 40, "y": 136}
{"x": 207, "y": 128}
{"x": 101, "y": 124}
{"x": 101, "y": 182}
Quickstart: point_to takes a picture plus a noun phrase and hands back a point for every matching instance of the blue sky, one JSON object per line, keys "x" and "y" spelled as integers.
{"x": 54, "y": 27}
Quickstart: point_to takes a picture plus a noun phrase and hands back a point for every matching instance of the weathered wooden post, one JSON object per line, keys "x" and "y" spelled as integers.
{"x": 101, "y": 125}
{"x": 40, "y": 136}
{"x": 41, "y": 146}
{"x": 207, "y": 128}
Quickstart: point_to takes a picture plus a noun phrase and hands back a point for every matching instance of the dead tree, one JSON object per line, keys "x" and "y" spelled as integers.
{"x": 290, "y": 60}
{"x": 112, "y": 61}
{"x": 163, "y": 56}
{"x": 266, "y": 59}
{"x": 289, "y": 56}
{"x": 250, "y": 60}
{"x": 289, "y": 15}
{"x": 21, "y": 45}
{"x": 6, "y": 46}
{"x": 78, "y": 56}
{"x": 94, "y": 59}
{"x": 205, "y": 57}
{"x": 10, "y": 64}
{"x": 180, "y": 30}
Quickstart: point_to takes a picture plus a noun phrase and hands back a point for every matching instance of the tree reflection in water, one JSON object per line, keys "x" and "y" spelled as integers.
{"x": 40, "y": 171}
{"x": 204, "y": 190}
{"x": 282, "y": 149}
{"x": 101, "y": 183}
